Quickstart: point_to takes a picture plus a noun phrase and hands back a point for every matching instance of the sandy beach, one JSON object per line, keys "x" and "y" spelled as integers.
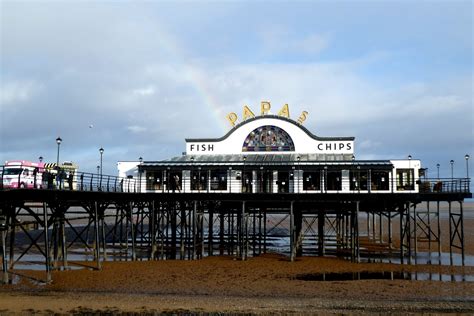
{"x": 268, "y": 284}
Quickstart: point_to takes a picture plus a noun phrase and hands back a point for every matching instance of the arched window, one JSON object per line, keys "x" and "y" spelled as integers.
{"x": 268, "y": 138}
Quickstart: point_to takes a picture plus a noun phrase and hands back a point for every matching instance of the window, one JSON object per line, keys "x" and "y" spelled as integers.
{"x": 359, "y": 180}
{"x": 174, "y": 181}
{"x": 312, "y": 180}
{"x": 283, "y": 181}
{"x": 333, "y": 179}
{"x": 379, "y": 180}
{"x": 247, "y": 181}
{"x": 268, "y": 138}
{"x": 199, "y": 180}
{"x": 154, "y": 180}
{"x": 12, "y": 171}
{"x": 405, "y": 179}
{"x": 218, "y": 179}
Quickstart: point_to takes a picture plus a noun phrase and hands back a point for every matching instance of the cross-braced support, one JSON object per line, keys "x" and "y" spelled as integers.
{"x": 456, "y": 231}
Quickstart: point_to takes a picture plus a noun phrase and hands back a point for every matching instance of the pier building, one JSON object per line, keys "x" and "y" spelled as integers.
{"x": 274, "y": 154}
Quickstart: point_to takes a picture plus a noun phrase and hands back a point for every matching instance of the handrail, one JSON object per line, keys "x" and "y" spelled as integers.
{"x": 65, "y": 180}
{"x": 86, "y": 181}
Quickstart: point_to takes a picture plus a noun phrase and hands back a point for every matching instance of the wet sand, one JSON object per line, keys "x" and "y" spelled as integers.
{"x": 268, "y": 284}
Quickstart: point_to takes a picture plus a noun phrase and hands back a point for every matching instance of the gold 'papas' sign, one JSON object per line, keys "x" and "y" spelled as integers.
{"x": 265, "y": 107}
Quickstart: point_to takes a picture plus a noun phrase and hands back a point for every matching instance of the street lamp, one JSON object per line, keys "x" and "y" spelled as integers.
{"x": 452, "y": 164}
{"x": 101, "y": 151}
{"x": 437, "y": 166}
{"x": 352, "y": 180}
{"x": 58, "y": 175}
{"x": 409, "y": 172}
{"x": 98, "y": 181}
{"x": 40, "y": 158}
{"x": 140, "y": 174}
{"x": 467, "y": 165}
{"x": 58, "y": 141}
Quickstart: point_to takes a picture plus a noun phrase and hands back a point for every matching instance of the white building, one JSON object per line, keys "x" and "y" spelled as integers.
{"x": 273, "y": 154}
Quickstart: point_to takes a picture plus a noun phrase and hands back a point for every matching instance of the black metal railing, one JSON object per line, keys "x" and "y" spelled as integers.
{"x": 84, "y": 181}
{"x": 445, "y": 185}
{"x": 63, "y": 180}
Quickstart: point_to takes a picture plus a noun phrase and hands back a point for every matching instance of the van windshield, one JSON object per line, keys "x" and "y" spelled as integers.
{"x": 12, "y": 171}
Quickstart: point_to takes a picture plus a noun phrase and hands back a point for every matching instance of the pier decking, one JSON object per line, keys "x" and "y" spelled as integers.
{"x": 104, "y": 222}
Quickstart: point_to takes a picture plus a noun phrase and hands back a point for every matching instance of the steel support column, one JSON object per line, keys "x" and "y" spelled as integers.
{"x": 96, "y": 234}
{"x": 4, "y": 251}
{"x": 46, "y": 243}
{"x": 321, "y": 219}
{"x": 292, "y": 233}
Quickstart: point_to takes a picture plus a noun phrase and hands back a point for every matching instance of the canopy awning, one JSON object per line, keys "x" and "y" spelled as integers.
{"x": 303, "y": 161}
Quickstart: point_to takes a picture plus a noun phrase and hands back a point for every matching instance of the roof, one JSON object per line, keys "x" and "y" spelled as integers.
{"x": 266, "y": 160}
{"x": 267, "y": 117}
{"x": 53, "y": 165}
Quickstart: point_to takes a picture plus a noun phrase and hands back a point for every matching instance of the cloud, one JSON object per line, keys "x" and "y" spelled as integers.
{"x": 312, "y": 44}
{"x": 146, "y": 91}
{"x": 150, "y": 75}
{"x": 17, "y": 92}
{"x": 280, "y": 41}
{"x": 136, "y": 129}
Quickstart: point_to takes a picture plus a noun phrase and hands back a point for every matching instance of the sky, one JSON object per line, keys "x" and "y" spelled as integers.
{"x": 138, "y": 77}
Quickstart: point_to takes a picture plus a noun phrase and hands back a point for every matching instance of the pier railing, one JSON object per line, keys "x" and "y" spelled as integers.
{"x": 85, "y": 181}
{"x": 446, "y": 185}
{"x": 77, "y": 181}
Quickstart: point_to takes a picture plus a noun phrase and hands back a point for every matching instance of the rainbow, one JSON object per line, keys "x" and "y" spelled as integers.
{"x": 197, "y": 79}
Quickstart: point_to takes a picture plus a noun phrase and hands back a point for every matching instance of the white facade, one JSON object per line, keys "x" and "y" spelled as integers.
{"x": 303, "y": 142}
{"x": 306, "y": 164}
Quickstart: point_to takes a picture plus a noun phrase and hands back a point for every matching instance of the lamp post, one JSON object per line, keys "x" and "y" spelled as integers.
{"x": 437, "y": 166}
{"x": 409, "y": 173}
{"x": 452, "y": 169}
{"x": 101, "y": 151}
{"x": 58, "y": 176}
{"x": 140, "y": 159}
{"x": 40, "y": 158}
{"x": 351, "y": 180}
{"x": 452, "y": 174}
{"x": 98, "y": 181}
{"x": 467, "y": 165}
{"x": 58, "y": 141}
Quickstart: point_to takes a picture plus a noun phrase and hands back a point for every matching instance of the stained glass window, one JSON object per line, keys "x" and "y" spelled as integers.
{"x": 268, "y": 138}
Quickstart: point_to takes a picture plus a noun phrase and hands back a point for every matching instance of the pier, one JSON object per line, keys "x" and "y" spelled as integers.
{"x": 104, "y": 223}
{"x": 268, "y": 185}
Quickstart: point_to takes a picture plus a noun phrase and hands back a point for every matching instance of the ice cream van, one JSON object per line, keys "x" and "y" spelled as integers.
{"x": 22, "y": 174}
